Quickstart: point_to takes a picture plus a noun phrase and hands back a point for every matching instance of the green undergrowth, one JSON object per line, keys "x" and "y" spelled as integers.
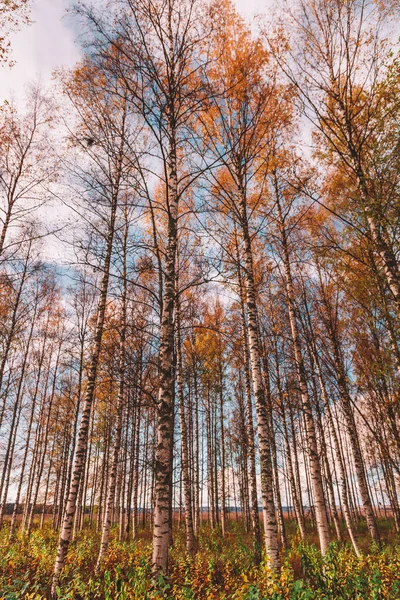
{"x": 222, "y": 569}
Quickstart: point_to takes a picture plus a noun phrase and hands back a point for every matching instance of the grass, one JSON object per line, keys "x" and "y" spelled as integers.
{"x": 222, "y": 569}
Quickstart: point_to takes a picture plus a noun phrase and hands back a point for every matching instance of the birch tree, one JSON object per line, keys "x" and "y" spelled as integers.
{"x": 102, "y": 136}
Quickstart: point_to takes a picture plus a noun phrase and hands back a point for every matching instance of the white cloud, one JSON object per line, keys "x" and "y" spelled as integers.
{"x": 249, "y": 8}
{"x": 39, "y": 48}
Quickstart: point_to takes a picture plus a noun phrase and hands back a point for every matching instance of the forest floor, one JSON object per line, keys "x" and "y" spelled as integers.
{"x": 222, "y": 568}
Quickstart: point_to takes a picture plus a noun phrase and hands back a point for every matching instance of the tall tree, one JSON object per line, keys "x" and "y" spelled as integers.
{"x": 102, "y": 135}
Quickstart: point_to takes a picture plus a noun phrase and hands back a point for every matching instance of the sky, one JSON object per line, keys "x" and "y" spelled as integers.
{"x": 49, "y": 42}
{"x": 39, "y": 48}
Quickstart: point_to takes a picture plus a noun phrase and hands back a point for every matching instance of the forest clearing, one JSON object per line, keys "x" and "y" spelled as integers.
{"x": 200, "y": 300}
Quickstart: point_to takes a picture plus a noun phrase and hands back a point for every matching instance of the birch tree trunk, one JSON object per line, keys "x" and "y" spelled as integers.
{"x": 270, "y": 526}
{"x": 312, "y": 447}
{"x": 112, "y": 478}
{"x": 20, "y": 393}
{"x": 278, "y": 500}
{"x": 341, "y": 466}
{"x": 346, "y": 404}
{"x": 165, "y": 404}
{"x": 292, "y": 481}
{"x": 222, "y": 442}
{"x": 81, "y": 446}
{"x": 249, "y": 441}
{"x": 187, "y": 486}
